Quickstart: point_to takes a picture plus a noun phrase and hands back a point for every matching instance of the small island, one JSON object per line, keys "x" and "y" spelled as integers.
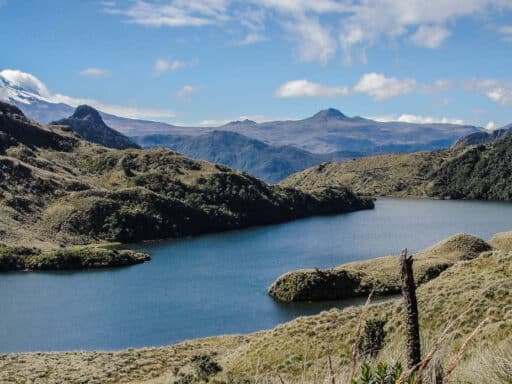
{"x": 34, "y": 259}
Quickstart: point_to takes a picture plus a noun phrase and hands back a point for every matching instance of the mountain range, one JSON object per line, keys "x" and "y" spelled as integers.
{"x": 327, "y": 131}
{"x": 267, "y": 162}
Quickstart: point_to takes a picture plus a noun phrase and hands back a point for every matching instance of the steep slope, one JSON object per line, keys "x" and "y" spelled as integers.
{"x": 478, "y": 172}
{"x": 57, "y": 189}
{"x": 483, "y": 137}
{"x": 267, "y": 162}
{"x": 87, "y": 122}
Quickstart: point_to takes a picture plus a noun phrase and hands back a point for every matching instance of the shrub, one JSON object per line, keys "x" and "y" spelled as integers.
{"x": 384, "y": 373}
{"x": 205, "y": 366}
{"x": 372, "y": 339}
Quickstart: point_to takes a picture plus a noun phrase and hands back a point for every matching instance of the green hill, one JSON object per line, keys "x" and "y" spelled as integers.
{"x": 59, "y": 190}
{"x": 476, "y": 172}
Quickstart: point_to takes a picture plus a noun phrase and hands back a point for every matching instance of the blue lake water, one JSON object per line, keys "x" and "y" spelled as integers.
{"x": 216, "y": 284}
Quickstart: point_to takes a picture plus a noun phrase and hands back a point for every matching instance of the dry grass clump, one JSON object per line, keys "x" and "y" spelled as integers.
{"x": 502, "y": 240}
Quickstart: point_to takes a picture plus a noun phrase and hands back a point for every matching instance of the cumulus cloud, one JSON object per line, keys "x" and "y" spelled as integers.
{"x": 21, "y": 80}
{"x": 375, "y": 85}
{"x": 26, "y": 81}
{"x": 496, "y": 90}
{"x": 321, "y": 27}
{"x": 315, "y": 42}
{"x": 304, "y": 88}
{"x": 430, "y": 36}
{"x": 164, "y": 65}
{"x": 380, "y": 87}
{"x": 417, "y": 119}
{"x": 491, "y": 125}
{"x": 94, "y": 72}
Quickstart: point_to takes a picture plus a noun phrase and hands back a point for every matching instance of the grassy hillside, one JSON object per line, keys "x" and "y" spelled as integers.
{"x": 380, "y": 275}
{"x": 479, "y": 172}
{"x": 58, "y": 190}
{"x": 478, "y": 289}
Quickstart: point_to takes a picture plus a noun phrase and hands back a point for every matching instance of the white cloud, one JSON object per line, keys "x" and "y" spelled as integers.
{"x": 417, "y": 119}
{"x": 304, "y": 88}
{"x": 164, "y": 65}
{"x": 94, "y": 72}
{"x": 491, "y": 125}
{"x": 380, "y": 87}
{"x": 26, "y": 81}
{"x": 430, "y": 36}
{"x": 17, "y": 80}
{"x": 186, "y": 90}
{"x": 251, "y": 38}
{"x": 318, "y": 27}
{"x": 374, "y": 85}
{"x": 315, "y": 42}
{"x": 496, "y": 90}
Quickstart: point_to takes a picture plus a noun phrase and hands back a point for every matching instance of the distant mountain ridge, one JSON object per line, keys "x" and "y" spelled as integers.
{"x": 87, "y": 122}
{"x": 267, "y": 162}
{"x": 483, "y": 137}
{"x": 327, "y": 131}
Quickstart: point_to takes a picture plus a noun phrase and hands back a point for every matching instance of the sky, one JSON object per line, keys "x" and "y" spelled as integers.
{"x": 206, "y": 62}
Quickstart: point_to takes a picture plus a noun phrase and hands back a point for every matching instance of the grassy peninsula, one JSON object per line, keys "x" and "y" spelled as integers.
{"x": 380, "y": 275}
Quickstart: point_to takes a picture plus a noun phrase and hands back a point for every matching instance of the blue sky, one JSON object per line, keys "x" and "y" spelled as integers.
{"x": 210, "y": 61}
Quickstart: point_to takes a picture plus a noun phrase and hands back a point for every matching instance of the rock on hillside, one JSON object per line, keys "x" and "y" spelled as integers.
{"x": 380, "y": 275}
{"x": 87, "y": 122}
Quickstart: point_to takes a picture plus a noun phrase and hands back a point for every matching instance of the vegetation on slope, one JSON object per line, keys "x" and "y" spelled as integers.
{"x": 33, "y": 259}
{"x": 477, "y": 289}
{"x": 481, "y": 172}
{"x": 68, "y": 191}
{"x": 380, "y": 275}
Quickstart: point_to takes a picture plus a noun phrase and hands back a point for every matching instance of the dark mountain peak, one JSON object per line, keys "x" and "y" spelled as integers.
{"x": 10, "y": 109}
{"x": 87, "y": 122}
{"x": 86, "y": 112}
{"x": 329, "y": 114}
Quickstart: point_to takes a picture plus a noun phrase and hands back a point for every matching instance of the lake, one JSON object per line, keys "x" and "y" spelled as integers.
{"x": 216, "y": 284}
